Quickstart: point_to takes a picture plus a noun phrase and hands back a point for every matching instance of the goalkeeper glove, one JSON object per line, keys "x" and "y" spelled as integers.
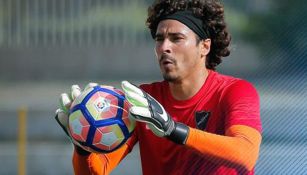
{"x": 146, "y": 109}
{"x": 63, "y": 112}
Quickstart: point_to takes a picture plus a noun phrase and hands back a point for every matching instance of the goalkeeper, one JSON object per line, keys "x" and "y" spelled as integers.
{"x": 196, "y": 121}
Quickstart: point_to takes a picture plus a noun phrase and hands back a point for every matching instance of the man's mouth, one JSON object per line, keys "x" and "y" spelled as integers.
{"x": 167, "y": 60}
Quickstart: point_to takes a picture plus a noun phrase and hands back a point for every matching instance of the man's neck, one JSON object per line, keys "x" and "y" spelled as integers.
{"x": 188, "y": 87}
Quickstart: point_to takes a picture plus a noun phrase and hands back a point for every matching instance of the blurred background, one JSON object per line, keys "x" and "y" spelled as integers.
{"x": 48, "y": 45}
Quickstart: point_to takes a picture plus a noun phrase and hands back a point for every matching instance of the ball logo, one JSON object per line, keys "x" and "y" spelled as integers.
{"x": 102, "y": 104}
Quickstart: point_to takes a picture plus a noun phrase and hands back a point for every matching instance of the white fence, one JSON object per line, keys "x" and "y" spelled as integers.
{"x": 72, "y": 22}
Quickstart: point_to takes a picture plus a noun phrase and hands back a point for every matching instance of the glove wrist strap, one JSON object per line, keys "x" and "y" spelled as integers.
{"x": 180, "y": 133}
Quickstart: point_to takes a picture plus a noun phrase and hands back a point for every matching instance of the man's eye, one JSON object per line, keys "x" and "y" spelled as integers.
{"x": 159, "y": 39}
{"x": 176, "y": 39}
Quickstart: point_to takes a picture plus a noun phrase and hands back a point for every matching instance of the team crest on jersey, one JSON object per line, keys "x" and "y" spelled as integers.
{"x": 201, "y": 119}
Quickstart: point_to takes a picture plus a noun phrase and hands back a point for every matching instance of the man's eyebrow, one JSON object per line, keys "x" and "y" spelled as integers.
{"x": 170, "y": 34}
{"x": 158, "y": 35}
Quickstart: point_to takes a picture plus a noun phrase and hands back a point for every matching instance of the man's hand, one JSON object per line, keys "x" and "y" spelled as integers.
{"x": 146, "y": 109}
{"x": 63, "y": 112}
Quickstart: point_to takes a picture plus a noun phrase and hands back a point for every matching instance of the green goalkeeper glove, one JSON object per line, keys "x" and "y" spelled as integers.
{"x": 63, "y": 112}
{"x": 146, "y": 109}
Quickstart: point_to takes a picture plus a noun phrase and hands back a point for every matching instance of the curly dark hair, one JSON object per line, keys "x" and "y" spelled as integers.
{"x": 212, "y": 14}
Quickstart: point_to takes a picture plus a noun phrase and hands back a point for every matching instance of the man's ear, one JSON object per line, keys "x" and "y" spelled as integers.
{"x": 205, "y": 47}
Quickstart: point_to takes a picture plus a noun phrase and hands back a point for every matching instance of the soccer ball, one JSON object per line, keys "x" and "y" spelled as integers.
{"x": 99, "y": 121}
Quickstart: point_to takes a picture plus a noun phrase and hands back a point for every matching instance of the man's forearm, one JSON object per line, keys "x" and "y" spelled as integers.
{"x": 239, "y": 146}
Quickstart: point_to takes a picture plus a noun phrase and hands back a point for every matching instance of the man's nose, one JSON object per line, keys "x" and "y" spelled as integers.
{"x": 166, "y": 46}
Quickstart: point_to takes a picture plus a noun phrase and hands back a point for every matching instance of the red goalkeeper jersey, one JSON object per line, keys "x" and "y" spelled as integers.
{"x": 223, "y": 101}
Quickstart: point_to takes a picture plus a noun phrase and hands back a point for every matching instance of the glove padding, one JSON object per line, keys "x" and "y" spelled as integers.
{"x": 63, "y": 112}
{"x": 146, "y": 109}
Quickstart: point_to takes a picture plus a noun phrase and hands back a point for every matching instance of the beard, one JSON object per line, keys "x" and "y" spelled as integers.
{"x": 170, "y": 78}
{"x": 167, "y": 74}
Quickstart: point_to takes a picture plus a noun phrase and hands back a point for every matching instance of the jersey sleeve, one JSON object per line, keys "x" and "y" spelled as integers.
{"x": 239, "y": 147}
{"x": 100, "y": 164}
{"x": 241, "y": 105}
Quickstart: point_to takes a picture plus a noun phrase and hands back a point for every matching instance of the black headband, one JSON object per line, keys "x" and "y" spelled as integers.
{"x": 188, "y": 19}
